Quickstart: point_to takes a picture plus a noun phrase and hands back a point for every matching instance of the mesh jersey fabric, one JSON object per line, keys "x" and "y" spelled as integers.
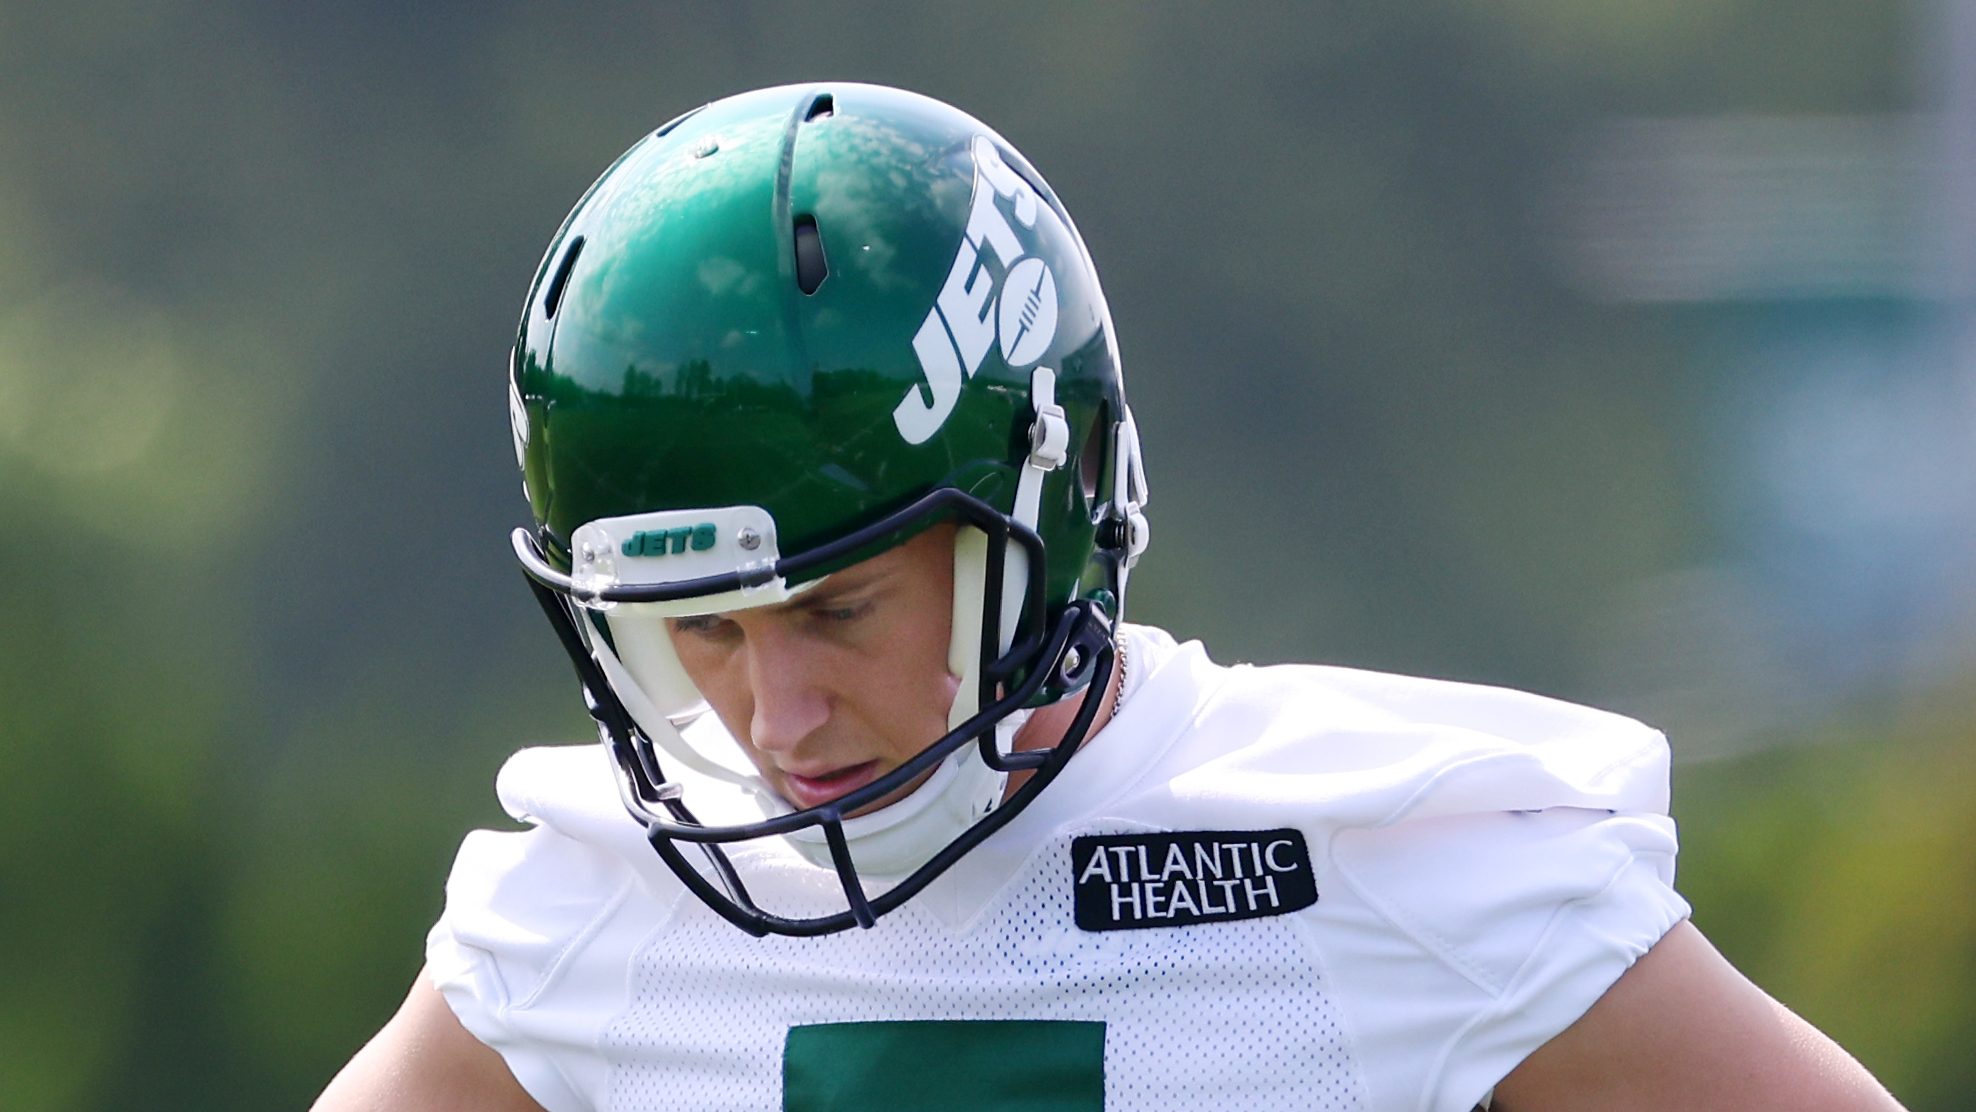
{"x": 1487, "y": 862}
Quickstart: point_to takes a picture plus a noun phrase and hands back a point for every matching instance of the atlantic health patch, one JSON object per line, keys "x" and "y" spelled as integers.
{"x": 1135, "y": 881}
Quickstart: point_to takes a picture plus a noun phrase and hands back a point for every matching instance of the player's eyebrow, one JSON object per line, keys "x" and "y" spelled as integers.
{"x": 823, "y": 594}
{"x": 830, "y": 589}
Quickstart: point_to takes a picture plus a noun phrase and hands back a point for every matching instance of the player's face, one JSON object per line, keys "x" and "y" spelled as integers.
{"x": 834, "y": 689}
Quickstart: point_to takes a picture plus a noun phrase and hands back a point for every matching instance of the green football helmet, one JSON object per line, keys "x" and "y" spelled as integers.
{"x": 783, "y": 333}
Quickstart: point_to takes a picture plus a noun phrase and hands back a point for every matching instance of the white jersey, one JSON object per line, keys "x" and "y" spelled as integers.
{"x": 1257, "y": 888}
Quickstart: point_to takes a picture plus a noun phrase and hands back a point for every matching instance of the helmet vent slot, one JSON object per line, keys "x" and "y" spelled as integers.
{"x": 676, "y": 121}
{"x": 553, "y": 296}
{"x": 824, "y": 105}
{"x": 811, "y": 267}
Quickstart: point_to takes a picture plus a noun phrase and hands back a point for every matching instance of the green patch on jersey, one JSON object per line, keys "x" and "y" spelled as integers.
{"x": 951, "y": 1065}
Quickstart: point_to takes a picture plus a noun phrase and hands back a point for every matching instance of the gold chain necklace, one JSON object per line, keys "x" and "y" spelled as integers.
{"x": 1122, "y": 663}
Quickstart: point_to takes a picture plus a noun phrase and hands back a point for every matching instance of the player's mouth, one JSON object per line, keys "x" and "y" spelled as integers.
{"x": 804, "y": 792}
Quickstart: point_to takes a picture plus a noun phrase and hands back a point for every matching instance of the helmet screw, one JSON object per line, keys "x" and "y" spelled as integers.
{"x": 1073, "y": 659}
{"x": 589, "y": 554}
{"x": 749, "y": 539}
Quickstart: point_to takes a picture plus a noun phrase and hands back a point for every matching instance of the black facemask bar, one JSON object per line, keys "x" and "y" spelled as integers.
{"x": 1076, "y": 651}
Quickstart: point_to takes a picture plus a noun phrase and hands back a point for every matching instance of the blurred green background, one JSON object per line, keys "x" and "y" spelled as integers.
{"x": 1620, "y": 351}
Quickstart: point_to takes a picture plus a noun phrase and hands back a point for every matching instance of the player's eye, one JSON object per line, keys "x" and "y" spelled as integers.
{"x": 702, "y": 625}
{"x": 844, "y": 611}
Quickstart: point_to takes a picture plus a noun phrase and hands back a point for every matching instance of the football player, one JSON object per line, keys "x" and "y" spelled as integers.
{"x": 836, "y": 498}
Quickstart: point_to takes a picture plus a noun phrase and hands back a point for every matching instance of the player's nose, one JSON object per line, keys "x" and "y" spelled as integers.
{"x": 790, "y": 701}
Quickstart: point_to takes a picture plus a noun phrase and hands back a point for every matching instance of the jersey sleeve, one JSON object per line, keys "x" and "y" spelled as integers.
{"x": 1472, "y": 938}
{"x": 521, "y": 952}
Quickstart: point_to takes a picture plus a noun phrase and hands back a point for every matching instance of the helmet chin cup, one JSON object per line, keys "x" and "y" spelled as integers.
{"x": 891, "y": 842}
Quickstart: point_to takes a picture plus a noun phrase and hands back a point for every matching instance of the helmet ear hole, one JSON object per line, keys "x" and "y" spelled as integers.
{"x": 1091, "y": 458}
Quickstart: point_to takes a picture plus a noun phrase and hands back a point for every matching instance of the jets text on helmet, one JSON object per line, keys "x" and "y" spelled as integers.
{"x": 962, "y": 325}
